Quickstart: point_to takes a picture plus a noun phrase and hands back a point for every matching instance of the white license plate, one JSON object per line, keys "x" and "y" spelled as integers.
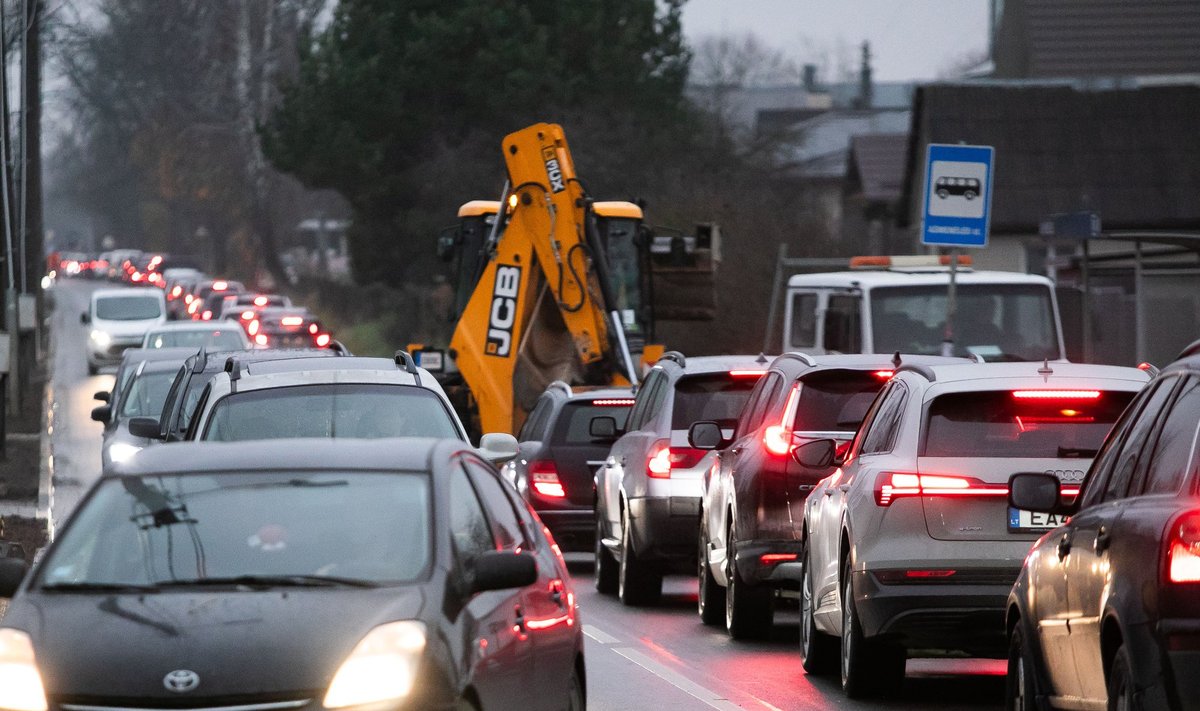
{"x": 1021, "y": 520}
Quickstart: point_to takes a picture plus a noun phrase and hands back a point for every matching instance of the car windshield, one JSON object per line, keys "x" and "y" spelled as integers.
{"x": 713, "y": 396}
{"x": 1011, "y": 424}
{"x": 836, "y": 400}
{"x": 156, "y": 530}
{"x": 999, "y": 322}
{"x": 368, "y": 411}
{"x": 127, "y": 308}
{"x": 574, "y": 424}
{"x": 147, "y": 394}
{"x": 225, "y": 339}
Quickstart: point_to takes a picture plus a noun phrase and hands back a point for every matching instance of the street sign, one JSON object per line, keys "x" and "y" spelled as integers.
{"x": 957, "y": 204}
{"x": 1078, "y": 225}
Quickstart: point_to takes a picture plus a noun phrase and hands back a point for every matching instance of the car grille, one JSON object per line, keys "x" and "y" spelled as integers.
{"x": 199, "y": 704}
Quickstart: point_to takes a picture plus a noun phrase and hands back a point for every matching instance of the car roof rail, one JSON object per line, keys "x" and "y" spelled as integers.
{"x": 339, "y": 348}
{"x": 561, "y": 385}
{"x": 675, "y": 357}
{"x": 405, "y": 360}
{"x": 1191, "y": 350}
{"x": 1152, "y": 369}
{"x": 920, "y": 369}
{"x": 202, "y": 357}
{"x": 802, "y": 357}
{"x": 234, "y": 367}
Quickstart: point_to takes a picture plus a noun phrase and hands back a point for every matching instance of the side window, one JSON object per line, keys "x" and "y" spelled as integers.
{"x": 202, "y": 403}
{"x": 637, "y": 415}
{"x": 760, "y": 401}
{"x": 882, "y": 433}
{"x": 1117, "y": 486}
{"x": 869, "y": 418}
{"x": 533, "y": 426}
{"x": 506, "y": 527}
{"x": 843, "y": 324}
{"x": 1174, "y": 454}
{"x": 655, "y": 404}
{"x": 468, "y": 525}
{"x": 804, "y": 321}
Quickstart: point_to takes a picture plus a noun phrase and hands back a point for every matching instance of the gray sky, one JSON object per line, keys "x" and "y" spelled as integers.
{"x": 910, "y": 39}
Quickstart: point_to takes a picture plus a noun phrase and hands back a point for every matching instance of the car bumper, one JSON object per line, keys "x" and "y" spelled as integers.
{"x": 665, "y": 528}
{"x": 784, "y": 571}
{"x": 573, "y": 529}
{"x": 1179, "y": 687}
{"x": 956, "y": 617}
{"x": 111, "y": 354}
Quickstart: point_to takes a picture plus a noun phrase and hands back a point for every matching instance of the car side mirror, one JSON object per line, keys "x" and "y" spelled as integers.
{"x": 603, "y": 429}
{"x": 102, "y": 396}
{"x": 12, "y": 572}
{"x": 102, "y": 413}
{"x": 498, "y": 447}
{"x": 147, "y": 427}
{"x": 502, "y": 570}
{"x": 84, "y": 318}
{"x": 705, "y": 435}
{"x": 1037, "y": 491}
{"x": 817, "y": 454}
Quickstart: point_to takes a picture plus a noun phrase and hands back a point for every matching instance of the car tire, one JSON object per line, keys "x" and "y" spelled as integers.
{"x": 576, "y": 698}
{"x": 868, "y": 668}
{"x": 970, "y": 195}
{"x": 639, "y": 582}
{"x": 1120, "y": 683}
{"x": 711, "y": 600}
{"x": 749, "y": 609}
{"x": 606, "y": 574}
{"x": 1020, "y": 687}
{"x": 943, "y": 193}
{"x": 818, "y": 651}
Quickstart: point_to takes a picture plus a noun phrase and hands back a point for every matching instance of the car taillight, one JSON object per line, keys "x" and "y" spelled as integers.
{"x": 1056, "y": 394}
{"x": 614, "y": 402}
{"x": 746, "y": 373}
{"x": 188, "y": 298}
{"x": 176, "y": 292}
{"x": 1183, "y": 549}
{"x": 776, "y": 558}
{"x": 292, "y": 321}
{"x": 206, "y": 316}
{"x": 193, "y": 305}
{"x": 260, "y": 301}
{"x": 220, "y": 286}
{"x": 136, "y": 276}
{"x": 252, "y": 329}
{"x": 261, "y": 339}
{"x": 312, "y": 328}
{"x": 323, "y": 340}
{"x": 884, "y": 374}
{"x": 890, "y": 486}
{"x": 543, "y": 477}
{"x": 247, "y": 315}
{"x": 778, "y": 438}
{"x": 665, "y": 458}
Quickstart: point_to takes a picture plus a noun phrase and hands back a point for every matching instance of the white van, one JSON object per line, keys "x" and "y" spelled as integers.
{"x": 1001, "y": 316}
{"x": 119, "y": 319}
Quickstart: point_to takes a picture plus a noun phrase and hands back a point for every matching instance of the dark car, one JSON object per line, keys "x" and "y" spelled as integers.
{"x": 142, "y": 396}
{"x": 555, "y": 468}
{"x": 1106, "y": 611}
{"x": 195, "y": 302}
{"x": 297, "y": 575}
{"x": 288, "y": 327}
{"x": 753, "y": 502}
{"x": 130, "y": 360}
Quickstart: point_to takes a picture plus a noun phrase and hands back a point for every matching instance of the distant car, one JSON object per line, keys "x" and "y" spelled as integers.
{"x": 909, "y": 546}
{"x": 245, "y": 307}
{"x": 1106, "y": 611}
{"x": 178, "y": 291}
{"x": 648, "y": 489}
{"x": 195, "y": 301}
{"x": 211, "y": 305}
{"x": 753, "y": 500}
{"x": 557, "y": 458}
{"x": 288, "y": 328}
{"x": 303, "y": 574}
{"x": 118, "y": 319}
{"x": 143, "y": 396}
{"x": 214, "y": 335}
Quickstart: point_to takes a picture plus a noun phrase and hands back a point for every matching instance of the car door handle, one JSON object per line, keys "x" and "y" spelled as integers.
{"x": 1103, "y": 540}
{"x": 736, "y": 450}
{"x": 844, "y": 488}
{"x": 1064, "y": 546}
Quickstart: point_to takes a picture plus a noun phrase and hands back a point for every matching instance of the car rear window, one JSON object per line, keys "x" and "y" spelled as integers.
{"x": 127, "y": 308}
{"x": 1005, "y": 423}
{"x": 225, "y": 339}
{"x": 713, "y": 396}
{"x": 574, "y": 424}
{"x": 836, "y": 400}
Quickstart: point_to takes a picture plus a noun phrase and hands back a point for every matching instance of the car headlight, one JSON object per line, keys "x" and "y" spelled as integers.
{"x": 383, "y": 667}
{"x": 121, "y": 452}
{"x": 20, "y": 682}
{"x": 101, "y": 338}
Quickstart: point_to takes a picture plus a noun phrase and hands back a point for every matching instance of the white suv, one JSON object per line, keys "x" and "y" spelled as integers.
{"x": 910, "y": 546}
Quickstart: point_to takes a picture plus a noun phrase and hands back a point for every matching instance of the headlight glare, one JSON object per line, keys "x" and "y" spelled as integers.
{"x": 20, "y": 683}
{"x": 121, "y": 452}
{"x": 383, "y": 667}
{"x": 101, "y": 338}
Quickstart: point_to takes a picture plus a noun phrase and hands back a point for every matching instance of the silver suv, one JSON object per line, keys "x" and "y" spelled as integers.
{"x": 910, "y": 546}
{"x": 648, "y": 491}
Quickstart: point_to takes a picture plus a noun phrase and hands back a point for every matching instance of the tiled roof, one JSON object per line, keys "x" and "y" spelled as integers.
{"x": 877, "y": 165}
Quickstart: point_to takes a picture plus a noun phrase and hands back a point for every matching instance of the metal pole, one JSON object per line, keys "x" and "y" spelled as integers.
{"x": 1087, "y": 305}
{"x": 13, "y": 327}
{"x": 951, "y": 304}
{"x": 24, "y": 142}
{"x": 1139, "y": 319}
{"x": 771, "y": 313}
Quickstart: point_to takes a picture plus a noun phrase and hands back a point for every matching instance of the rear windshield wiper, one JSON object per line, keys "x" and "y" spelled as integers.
{"x": 272, "y": 581}
{"x": 98, "y": 587}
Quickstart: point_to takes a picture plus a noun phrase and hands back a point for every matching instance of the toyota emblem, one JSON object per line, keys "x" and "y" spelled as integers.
{"x": 181, "y": 681}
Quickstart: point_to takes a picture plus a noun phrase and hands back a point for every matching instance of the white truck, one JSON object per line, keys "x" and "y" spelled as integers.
{"x": 889, "y": 304}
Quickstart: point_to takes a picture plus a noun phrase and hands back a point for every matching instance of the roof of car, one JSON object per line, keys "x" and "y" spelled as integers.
{"x": 160, "y": 366}
{"x": 867, "y": 361}
{"x": 127, "y": 291}
{"x": 349, "y": 363}
{"x": 402, "y": 454}
{"x": 1045, "y": 371}
{"x": 194, "y": 326}
{"x": 175, "y": 353}
{"x": 215, "y": 360}
{"x": 602, "y": 394}
{"x": 911, "y": 277}
{"x": 715, "y": 364}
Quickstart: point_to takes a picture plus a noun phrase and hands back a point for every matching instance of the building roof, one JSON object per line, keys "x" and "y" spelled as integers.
{"x": 1133, "y": 155}
{"x": 1097, "y": 38}
{"x": 876, "y": 166}
{"x": 824, "y": 141}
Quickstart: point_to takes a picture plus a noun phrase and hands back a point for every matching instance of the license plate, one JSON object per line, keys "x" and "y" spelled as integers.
{"x": 1020, "y": 520}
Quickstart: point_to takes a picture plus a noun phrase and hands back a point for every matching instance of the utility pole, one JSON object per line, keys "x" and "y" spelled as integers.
{"x": 32, "y": 229}
{"x": 10, "y": 301}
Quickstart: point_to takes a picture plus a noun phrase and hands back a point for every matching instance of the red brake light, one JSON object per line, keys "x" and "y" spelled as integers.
{"x": 666, "y": 458}
{"x": 176, "y": 292}
{"x": 543, "y": 476}
{"x": 929, "y": 573}
{"x": 884, "y": 374}
{"x": 312, "y": 328}
{"x": 252, "y": 329}
{"x": 778, "y": 438}
{"x": 292, "y": 321}
{"x": 1056, "y": 394}
{"x": 894, "y": 485}
{"x": 220, "y": 285}
{"x": 188, "y": 298}
{"x": 247, "y": 315}
{"x": 773, "y": 558}
{"x": 323, "y": 340}
{"x": 137, "y": 276}
{"x": 614, "y": 402}
{"x": 206, "y": 316}
{"x": 260, "y": 301}
{"x": 193, "y": 305}
{"x": 1183, "y": 549}
{"x": 261, "y": 339}
{"x": 746, "y": 373}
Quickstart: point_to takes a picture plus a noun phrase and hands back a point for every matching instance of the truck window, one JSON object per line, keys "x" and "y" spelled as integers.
{"x": 804, "y": 321}
{"x": 843, "y": 324}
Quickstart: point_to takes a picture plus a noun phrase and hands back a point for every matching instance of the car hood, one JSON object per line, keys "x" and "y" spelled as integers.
{"x": 279, "y": 643}
{"x": 126, "y": 329}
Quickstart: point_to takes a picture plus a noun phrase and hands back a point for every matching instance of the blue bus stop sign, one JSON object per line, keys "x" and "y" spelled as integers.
{"x": 957, "y": 204}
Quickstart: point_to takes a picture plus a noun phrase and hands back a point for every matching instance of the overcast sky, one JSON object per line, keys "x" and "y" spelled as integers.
{"x": 910, "y": 39}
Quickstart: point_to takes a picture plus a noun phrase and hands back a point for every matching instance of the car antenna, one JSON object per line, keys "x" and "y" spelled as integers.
{"x": 896, "y": 360}
{"x": 761, "y": 359}
{"x": 1046, "y": 371}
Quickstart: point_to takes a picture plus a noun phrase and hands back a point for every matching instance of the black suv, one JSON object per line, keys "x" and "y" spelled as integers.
{"x": 753, "y": 502}
{"x": 558, "y": 457}
{"x": 1107, "y": 606}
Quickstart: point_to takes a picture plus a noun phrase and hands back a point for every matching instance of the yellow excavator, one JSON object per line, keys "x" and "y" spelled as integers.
{"x": 551, "y": 285}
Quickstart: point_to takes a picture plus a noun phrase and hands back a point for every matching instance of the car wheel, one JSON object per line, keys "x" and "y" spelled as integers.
{"x": 749, "y": 609}
{"x": 943, "y": 193}
{"x": 711, "y": 601}
{"x": 605, "y": 572}
{"x": 868, "y": 667}
{"x": 970, "y": 195}
{"x": 818, "y": 651}
{"x": 1020, "y": 691}
{"x": 576, "y": 700}
{"x": 1120, "y": 683}
{"x": 639, "y": 582}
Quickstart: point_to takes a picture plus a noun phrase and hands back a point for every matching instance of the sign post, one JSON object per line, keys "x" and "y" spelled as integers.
{"x": 956, "y": 209}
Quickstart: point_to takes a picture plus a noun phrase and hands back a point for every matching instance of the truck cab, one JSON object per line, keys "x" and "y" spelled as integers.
{"x": 900, "y": 305}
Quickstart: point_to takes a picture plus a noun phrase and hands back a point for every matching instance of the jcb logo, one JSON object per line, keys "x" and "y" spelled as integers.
{"x": 553, "y": 170}
{"x": 504, "y": 311}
